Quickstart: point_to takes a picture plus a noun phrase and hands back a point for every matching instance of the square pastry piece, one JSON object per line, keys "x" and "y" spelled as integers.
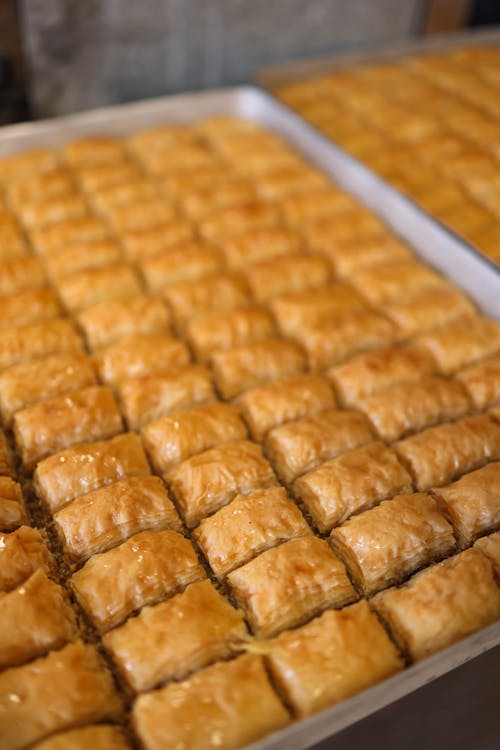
{"x": 482, "y": 382}
{"x": 490, "y": 546}
{"x": 247, "y": 526}
{"x": 441, "y": 605}
{"x": 185, "y": 261}
{"x": 151, "y": 648}
{"x": 234, "y": 704}
{"x": 351, "y": 483}
{"x": 440, "y": 454}
{"x": 28, "y": 342}
{"x": 204, "y": 483}
{"x": 462, "y": 342}
{"x": 65, "y": 689}
{"x": 146, "y": 568}
{"x": 97, "y": 737}
{"x": 428, "y": 309}
{"x": 22, "y": 553}
{"x": 140, "y": 354}
{"x": 288, "y": 584}
{"x": 12, "y": 510}
{"x": 332, "y": 658}
{"x": 218, "y": 291}
{"x": 385, "y": 544}
{"x": 299, "y": 446}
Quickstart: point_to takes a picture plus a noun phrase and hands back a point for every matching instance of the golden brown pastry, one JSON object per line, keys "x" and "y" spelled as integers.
{"x": 143, "y": 243}
{"x": 251, "y": 365}
{"x": 441, "y": 605}
{"x": 20, "y": 274}
{"x": 286, "y": 275}
{"x": 22, "y": 553}
{"x": 299, "y": 446}
{"x": 440, "y": 454}
{"x": 235, "y": 220}
{"x": 86, "y": 288}
{"x": 204, "y": 483}
{"x": 200, "y": 202}
{"x": 35, "y": 340}
{"x": 81, "y": 257}
{"x": 82, "y": 231}
{"x": 12, "y": 243}
{"x": 250, "y": 524}
{"x": 151, "y": 648}
{"x": 146, "y": 568}
{"x": 384, "y": 545}
{"x": 288, "y": 584}
{"x": 332, "y": 658}
{"x": 388, "y": 281}
{"x": 65, "y": 689}
{"x": 93, "y": 178}
{"x": 97, "y": 737}
{"x": 220, "y": 291}
{"x": 482, "y": 382}
{"x": 472, "y": 504}
{"x": 490, "y": 546}
{"x": 94, "y": 149}
{"x": 234, "y": 704}
{"x": 83, "y": 468}
{"x": 111, "y": 320}
{"x": 257, "y": 245}
{"x": 276, "y": 403}
{"x": 27, "y": 163}
{"x": 35, "y": 618}
{"x": 107, "y": 516}
{"x": 428, "y": 309}
{"x": 325, "y": 202}
{"x": 139, "y": 354}
{"x": 6, "y": 458}
{"x": 179, "y": 157}
{"x": 12, "y": 510}
{"x": 143, "y": 214}
{"x": 372, "y": 372}
{"x": 289, "y": 180}
{"x": 186, "y": 261}
{"x": 461, "y": 343}
{"x": 360, "y": 253}
{"x": 136, "y": 189}
{"x": 50, "y": 211}
{"x": 28, "y": 306}
{"x": 350, "y": 483}
{"x": 352, "y": 224}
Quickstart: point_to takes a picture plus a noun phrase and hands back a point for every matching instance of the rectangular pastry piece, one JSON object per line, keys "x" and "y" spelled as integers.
{"x": 407, "y": 408}
{"x": 82, "y": 416}
{"x": 81, "y": 257}
{"x": 490, "y": 546}
{"x": 20, "y": 274}
{"x": 12, "y": 243}
{"x": 83, "y": 468}
{"x": 182, "y": 182}
{"x": 441, "y": 605}
{"x": 28, "y": 383}
{"x": 348, "y": 258}
{"x": 186, "y": 261}
{"x": 65, "y": 689}
{"x": 149, "y": 397}
{"x": 439, "y": 454}
{"x": 350, "y": 483}
{"x": 35, "y": 340}
{"x": 472, "y": 504}
{"x": 93, "y": 178}
{"x": 302, "y": 209}
{"x": 205, "y": 200}
{"x": 95, "y": 149}
{"x": 227, "y": 222}
{"x": 204, "y": 483}
{"x": 482, "y": 382}
{"x": 287, "y": 275}
{"x": 146, "y": 568}
{"x": 388, "y": 281}
{"x": 367, "y": 374}
{"x": 143, "y": 214}
{"x": 28, "y": 307}
{"x": 111, "y": 320}
{"x": 6, "y": 459}
{"x": 288, "y": 584}
{"x": 177, "y": 158}
{"x": 219, "y": 291}
{"x": 221, "y": 330}
{"x": 135, "y": 190}
{"x": 257, "y": 245}
{"x": 352, "y": 224}
{"x": 109, "y": 515}
{"x": 82, "y": 231}
{"x": 287, "y": 181}
{"x": 254, "y": 161}
{"x": 86, "y": 288}
{"x": 299, "y": 446}
{"x": 332, "y": 658}
{"x": 249, "y": 525}
{"x": 12, "y": 510}
{"x": 233, "y": 701}
{"x": 251, "y": 365}
{"x": 384, "y": 545}
{"x": 35, "y": 618}
{"x": 51, "y": 211}
{"x": 27, "y": 163}
{"x": 428, "y": 309}
{"x": 97, "y": 737}
{"x": 172, "y": 439}
{"x": 140, "y": 354}
{"x": 461, "y": 343}
{"x": 145, "y": 243}
{"x": 35, "y": 187}
{"x": 273, "y": 404}
{"x": 151, "y": 649}
{"x": 22, "y": 553}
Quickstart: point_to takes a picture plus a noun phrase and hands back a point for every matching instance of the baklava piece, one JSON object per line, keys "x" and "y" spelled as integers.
{"x": 35, "y": 340}
{"x": 145, "y": 243}
{"x": 12, "y": 243}
{"x": 287, "y": 275}
{"x": 472, "y": 504}
{"x": 87, "y": 288}
{"x": 299, "y": 446}
{"x": 83, "y": 468}
{"x": 461, "y": 343}
{"x": 22, "y": 553}
{"x": 20, "y": 274}
{"x": 235, "y": 220}
{"x": 388, "y": 281}
{"x": 172, "y": 439}
{"x": 12, "y": 510}
{"x": 490, "y": 546}
{"x": 51, "y": 211}
{"x": 143, "y": 214}
{"x": 74, "y": 231}
{"x": 249, "y": 525}
{"x": 428, "y": 309}
{"x": 73, "y": 259}
{"x": 248, "y": 366}
{"x": 178, "y": 158}
{"x": 332, "y": 658}
{"x": 96, "y": 149}
{"x": 136, "y": 190}
{"x": 348, "y": 258}
{"x": 482, "y": 382}
{"x": 187, "y": 261}
{"x": 105, "y": 517}
{"x": 350, "y": 483}
{"x": 233, "y": 701}
{"x": 151, "y": 648}
{"x": 353, "y": 224}
{"x": 441, "y": 605}
{"x": 97, "y": 737}
{"x": 410, "y": 407}
{"x": 304, "y": 208}
{"x": 35, "y": 618}
{"x": 140, "y": 354}
{"x": 257, "y": 245}
{"x": 146, "y": 568}
{"x": 439, "y": 454}
{"x": 276, "y": 403}
{"x": 112, "y": 320}
{"x": 28, "y": 307}
{"x": 221, "y": 291}
{"x": 217, "y": 331}
{"x": 372, "y": 372}
{"x": 27, "y": 163}
{"x": 149, "y": 397}
{"x": 65, "y": 689}
{"x": 209, "y": 480}
{"x": 6, "y": 458}
{"x": 287, "y": 181}
{"x": 288, "y": 584}
{"x": 384, "y": 545}
{"x": 93, "y": 178}
{"x": 205, "y": 200}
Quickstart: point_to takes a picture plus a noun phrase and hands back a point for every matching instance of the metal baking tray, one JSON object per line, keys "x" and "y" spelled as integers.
{"x": 430, "y": 241}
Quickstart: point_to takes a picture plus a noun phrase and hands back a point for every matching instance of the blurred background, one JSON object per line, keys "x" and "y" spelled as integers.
{"x": 60, "y": 56}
